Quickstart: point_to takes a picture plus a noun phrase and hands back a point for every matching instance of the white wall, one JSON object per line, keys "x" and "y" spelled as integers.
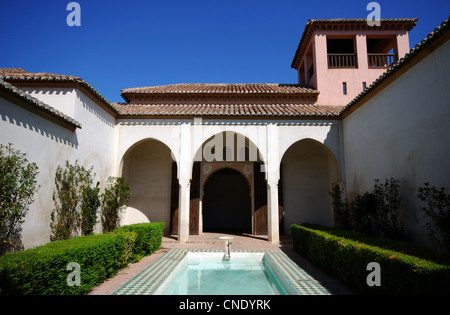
{"x": 148, "y": 169}
{"x": 49, "y": 145}
{"x": 307, "y": 177}
{"x": 403, "y": 132}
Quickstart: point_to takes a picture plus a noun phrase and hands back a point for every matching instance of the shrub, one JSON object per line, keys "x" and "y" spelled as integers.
{"x": 388, "y": 208}
{"x": 116, "y": 195}
{"x": 347, "y": 259}
{"x": 70, "y": 182}
{"x": 17, "y": 187}
{"x": 90, "y": 202}
{"x": 43, "y": 270}
{"x": 149, "y": 237}
{"x": 363, "y": 211}
{"x": 438, "y": 211}
{"x": 341, "y": 208}
{"x": 376, "y": 212}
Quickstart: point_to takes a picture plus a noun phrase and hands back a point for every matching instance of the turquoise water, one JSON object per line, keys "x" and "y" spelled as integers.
{"x": 227, "y": 277}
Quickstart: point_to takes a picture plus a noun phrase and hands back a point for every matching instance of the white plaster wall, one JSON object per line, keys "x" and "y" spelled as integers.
{"x": 62, "y": 99}
{"x": 50, "y": 145}
{"x": 97, "y": 137}
{"x": 403, "y": 132}
{"x": 148, "y": 169}
{"x": 306, "y": 177}
{"x": 45, "y": 144}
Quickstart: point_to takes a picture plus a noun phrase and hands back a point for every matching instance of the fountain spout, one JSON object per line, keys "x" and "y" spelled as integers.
{"x": 227, "y": 249}
{"x": 227, "y": 255}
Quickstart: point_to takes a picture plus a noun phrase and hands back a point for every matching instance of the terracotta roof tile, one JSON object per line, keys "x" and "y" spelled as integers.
{"x": 222, "y": 88}
{"x": 235, "y": 110}
{"x": 214, "y": 90}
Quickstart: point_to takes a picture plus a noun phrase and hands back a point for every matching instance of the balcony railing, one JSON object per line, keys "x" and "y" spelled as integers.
{"x": 381, "y": 60}
{"x": 342, "y": 61}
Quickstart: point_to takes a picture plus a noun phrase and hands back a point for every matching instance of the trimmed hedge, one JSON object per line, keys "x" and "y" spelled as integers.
{"x": 43, "y": 270}
{"x": 347, "y": 260}
{"x": 149, "y": 237}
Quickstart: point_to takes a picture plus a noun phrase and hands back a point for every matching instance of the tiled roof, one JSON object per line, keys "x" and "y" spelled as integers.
{"x": 396, "y": 67}
{"x": 223, "y": 88}
{"x": 17, "y": 76}
{"x": 345, "y": 24}
{"x": 210, "y": 90}
{"x": 36, "y": 104}
{"x": 248, "y": 110}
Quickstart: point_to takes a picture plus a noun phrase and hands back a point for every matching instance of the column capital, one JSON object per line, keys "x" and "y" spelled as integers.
{"x": 273, "y": 182}
{"x": 184, "y": 182}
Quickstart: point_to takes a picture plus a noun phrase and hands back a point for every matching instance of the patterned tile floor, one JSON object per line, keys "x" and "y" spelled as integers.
{"x": 145, "y": 276}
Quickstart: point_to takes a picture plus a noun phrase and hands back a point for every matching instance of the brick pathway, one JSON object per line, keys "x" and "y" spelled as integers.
{"x": 211, "y": 241}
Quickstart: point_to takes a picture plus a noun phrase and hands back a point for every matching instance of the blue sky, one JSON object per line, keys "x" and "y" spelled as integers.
{"x": 122, "y": 44}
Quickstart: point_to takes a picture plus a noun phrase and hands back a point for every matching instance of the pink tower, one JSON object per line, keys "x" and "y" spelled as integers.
{"x": 341, "y": 57}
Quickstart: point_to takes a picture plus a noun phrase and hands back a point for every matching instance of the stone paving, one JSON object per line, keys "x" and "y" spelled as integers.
{"x": 211, "y": 241}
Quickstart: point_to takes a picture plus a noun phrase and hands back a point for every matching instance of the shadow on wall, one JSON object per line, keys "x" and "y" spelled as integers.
{"x": 31, "y": 122}
{"x": 95, "y": 110}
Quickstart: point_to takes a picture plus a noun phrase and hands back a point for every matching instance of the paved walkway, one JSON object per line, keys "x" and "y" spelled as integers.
{"x": 211, "y": 241}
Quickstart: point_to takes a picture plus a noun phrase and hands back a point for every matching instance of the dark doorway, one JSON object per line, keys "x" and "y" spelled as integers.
{"x": 227, "y": 203}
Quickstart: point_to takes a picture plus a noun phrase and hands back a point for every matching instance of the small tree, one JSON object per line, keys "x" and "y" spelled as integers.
{"x": 116, "y": 195}
{"x": 90, "y": 202}
{"x": 437, "y": 209}
{"x": 341, "y": 208}
{"x": 70, "y": 183}
{"x": 363, "y": 211}
{"x": 17, "y": 188}
{"x": 388, "y": 208}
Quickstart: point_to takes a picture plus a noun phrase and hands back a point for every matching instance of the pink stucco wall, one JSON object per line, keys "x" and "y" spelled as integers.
{"x": 330, "y": 81}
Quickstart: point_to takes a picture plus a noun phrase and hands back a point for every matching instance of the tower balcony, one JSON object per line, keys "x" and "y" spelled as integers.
{"x": 337, "y": 61}
{"x": 381, "y": 60}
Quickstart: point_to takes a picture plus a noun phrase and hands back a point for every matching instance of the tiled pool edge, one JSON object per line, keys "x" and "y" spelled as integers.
{"x": 148, "y": 281}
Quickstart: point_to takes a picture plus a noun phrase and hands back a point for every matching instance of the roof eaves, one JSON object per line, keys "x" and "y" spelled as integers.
{"x": 16, "y": 93}
{"x": 49, "y": 77}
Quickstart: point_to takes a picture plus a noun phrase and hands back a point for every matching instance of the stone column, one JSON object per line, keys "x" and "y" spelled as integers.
{"x": 272, "y": 212}
{"x": 183, "y": 210}
{"x": 272, "y": 177}
{"x": 184, "y": 178}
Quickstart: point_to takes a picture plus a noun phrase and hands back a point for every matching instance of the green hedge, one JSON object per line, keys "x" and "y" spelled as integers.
{"x": 347, "y": 259}
{"x": 149, "y": 237}
{"x": 43, "y": 270}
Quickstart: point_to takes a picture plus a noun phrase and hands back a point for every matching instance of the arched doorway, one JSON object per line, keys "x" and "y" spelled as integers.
{"x": 147, "y": 166}
{"x": 309, "y": 170}
{"x": 227, "y": 205}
